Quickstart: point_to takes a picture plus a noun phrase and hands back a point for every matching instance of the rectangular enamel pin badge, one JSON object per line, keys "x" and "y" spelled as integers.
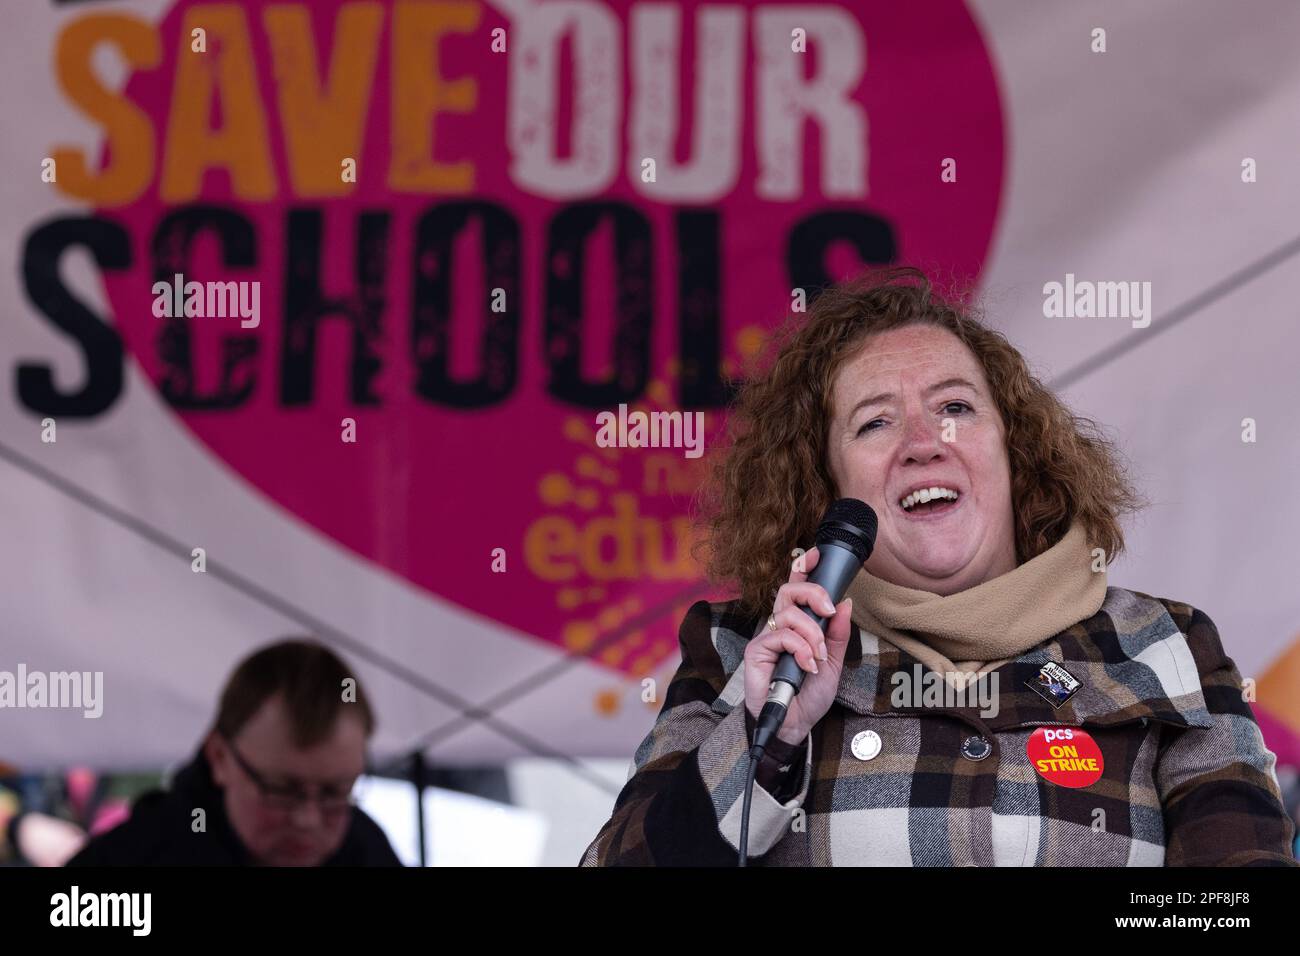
{"x": 1054, "y": 683}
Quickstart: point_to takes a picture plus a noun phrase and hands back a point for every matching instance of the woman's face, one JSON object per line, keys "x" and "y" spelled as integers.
{"x": 895, "y": 403}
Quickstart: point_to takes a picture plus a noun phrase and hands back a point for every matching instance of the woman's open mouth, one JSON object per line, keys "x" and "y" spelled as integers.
{"x": 930, "y": 503}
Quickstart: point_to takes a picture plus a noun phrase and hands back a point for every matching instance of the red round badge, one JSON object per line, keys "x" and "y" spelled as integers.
{"x": 1065, "y": 756}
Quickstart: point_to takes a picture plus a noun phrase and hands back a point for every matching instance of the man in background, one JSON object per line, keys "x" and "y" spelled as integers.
{"x": 271, "y": 783}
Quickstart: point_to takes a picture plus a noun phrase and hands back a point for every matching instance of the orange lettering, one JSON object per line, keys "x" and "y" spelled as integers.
{"x": 321, "y": 129}
{"x": 240, "y": 146}
{"x": 420, "y": 93}
{"x": 127, "y": 128}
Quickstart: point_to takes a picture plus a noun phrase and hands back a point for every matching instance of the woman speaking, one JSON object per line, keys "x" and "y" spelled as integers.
{"x": 980, "y": 696}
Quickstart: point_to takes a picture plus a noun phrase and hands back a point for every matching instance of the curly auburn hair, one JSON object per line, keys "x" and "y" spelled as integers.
{"x": 769, "y": 486}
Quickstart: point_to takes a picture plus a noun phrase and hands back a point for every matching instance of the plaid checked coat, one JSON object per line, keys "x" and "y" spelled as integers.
{"x": 1187, "y": 780}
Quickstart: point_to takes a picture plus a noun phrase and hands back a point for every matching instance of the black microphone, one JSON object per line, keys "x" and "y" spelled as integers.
{"x": 844, "y": 542}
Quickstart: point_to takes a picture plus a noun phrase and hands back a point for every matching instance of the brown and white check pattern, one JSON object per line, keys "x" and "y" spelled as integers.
{"x": 1187, "y": 780}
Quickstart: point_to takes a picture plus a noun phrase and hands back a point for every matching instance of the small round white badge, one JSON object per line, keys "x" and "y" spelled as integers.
{"x": 866, "y": 745}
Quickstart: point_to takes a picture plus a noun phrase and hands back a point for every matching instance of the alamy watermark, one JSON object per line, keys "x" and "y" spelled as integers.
{"x": 130, "y": 910}
{"x": 212, "y": 300}
{"x": 55, "y": 690}
{"x": 949, "y": 689}
{"x": 651, "y": 430}
{"x": 1099, "y": 300}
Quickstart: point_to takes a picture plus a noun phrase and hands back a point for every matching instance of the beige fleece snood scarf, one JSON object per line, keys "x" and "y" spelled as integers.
{"x": 983, "y": 627}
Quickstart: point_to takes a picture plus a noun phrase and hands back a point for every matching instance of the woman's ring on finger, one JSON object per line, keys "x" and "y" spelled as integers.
{"x": 771, "y": 622}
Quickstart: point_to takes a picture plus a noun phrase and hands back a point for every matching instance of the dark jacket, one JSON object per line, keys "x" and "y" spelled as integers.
{"x": 1185, "y": 778}
{"x": 160, "y": 831}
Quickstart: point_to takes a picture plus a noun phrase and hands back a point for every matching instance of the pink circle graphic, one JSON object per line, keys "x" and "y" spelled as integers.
{"x": 474, "y": 299}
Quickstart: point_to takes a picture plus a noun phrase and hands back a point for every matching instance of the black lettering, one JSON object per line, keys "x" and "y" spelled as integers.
{"x": 634, "y": 304}
{"x": 431, "y": 326}
{"x": 171, "y": 254}
{"x": 305, "y": 306}
{"x": 805, "y": 256}
{"x": 699, "y": 311}
{"x": 110, "y": 245}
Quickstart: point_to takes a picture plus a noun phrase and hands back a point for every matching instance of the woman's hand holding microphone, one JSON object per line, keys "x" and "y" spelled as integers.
{"x": 795, "y": 632}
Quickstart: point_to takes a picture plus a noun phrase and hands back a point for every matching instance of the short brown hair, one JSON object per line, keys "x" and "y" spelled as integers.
{"x": 767, "y": 491}
{"x": 309, "y": 678}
